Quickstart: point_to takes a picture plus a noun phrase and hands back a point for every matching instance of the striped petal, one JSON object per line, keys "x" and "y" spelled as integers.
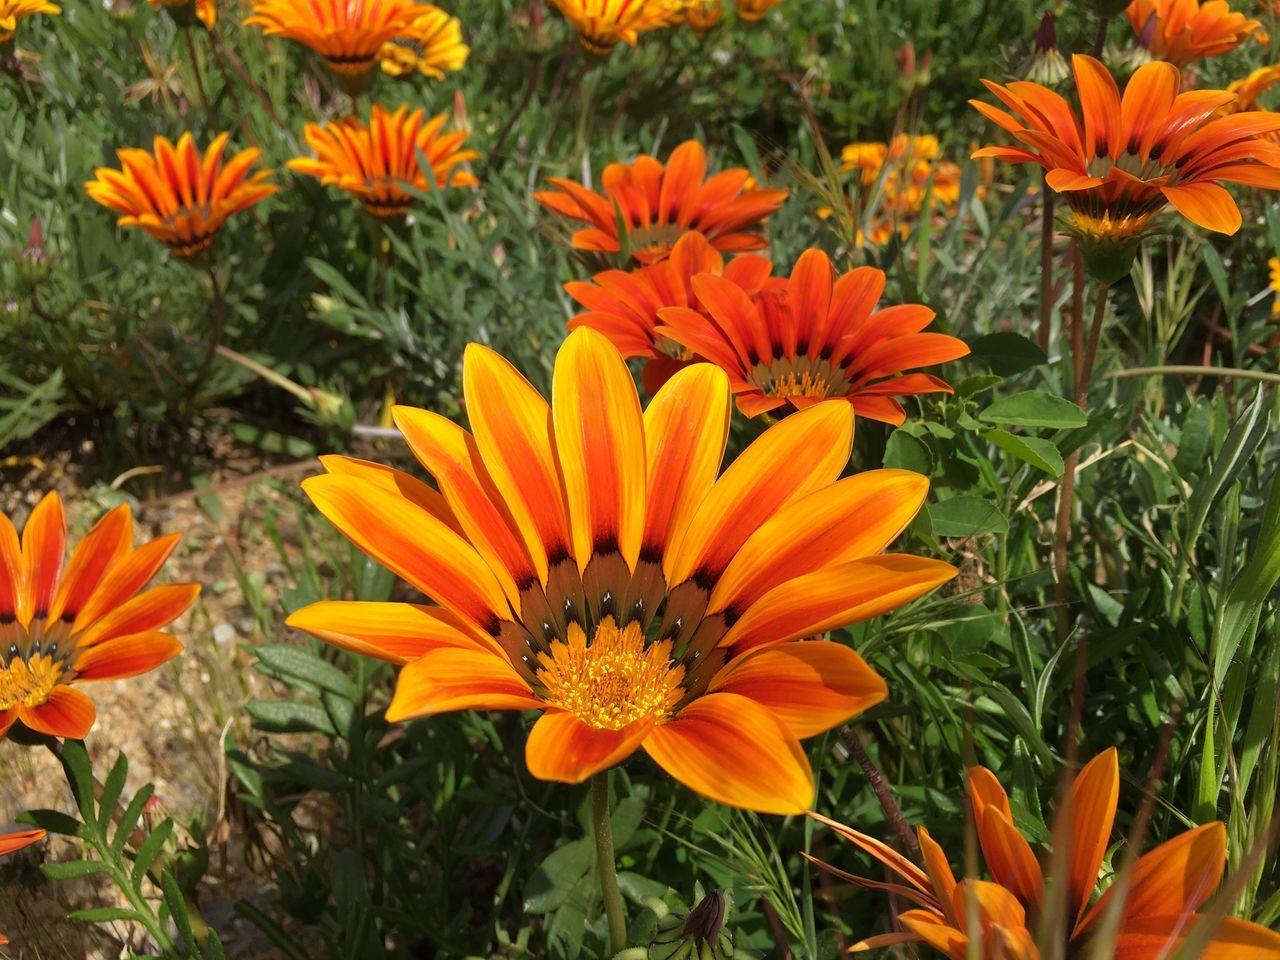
{"x": 563, "y": 748}
{"x": 126, "y": 656}
{"x": 1092, "y": 811}
{"x": 149, "y": 611}
{"x": 1153, "y": 938}
{"x": 110, "y": 538}
{"x": 394, "y": 632}
{"x": 67, "y": 713}
{"x": 453, "y": 678}
{"x": 44, "y": 546}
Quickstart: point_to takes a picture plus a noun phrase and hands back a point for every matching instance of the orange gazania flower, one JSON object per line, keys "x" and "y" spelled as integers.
{"x": 348, "y": 34}
{"x": 1166, "y": 887}
{"x": 603, "y": 24}
{"x": 12, "y": 11}
{"x": 588, "y": 564}
{"x": 178, "y": 196}
{"x": 658, "y": 204}
{"x": 206, "y": 11}
{"x": 1248, "y": 89}
{"x": 12, "y": 843}
{"x": 909, "y": 172}
{"x": 376, "y": 163}
{"x": 431, "y": 45}
{"x": 753, "y": 10}
{"x": 82, "y": 621}
{"x": 1184, "y": 31}
{"x": 702, "y": 15}
{"x": 1128, "y": 158}
{"x": 814, "y": 337}
{"x": 624, "y": 305}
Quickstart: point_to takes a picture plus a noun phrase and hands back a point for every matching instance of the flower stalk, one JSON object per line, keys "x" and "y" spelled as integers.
{"x": 606, "y": 862}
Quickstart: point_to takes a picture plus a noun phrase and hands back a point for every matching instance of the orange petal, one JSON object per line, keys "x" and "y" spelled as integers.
{"x": 1092, "y": 805}
{"x": 1009, "y": 857}
{"x": 1157, "y": 937}
{"x": 810, "y": 687}
{"x": 101, "y": 547}
{"x": 146, "y": 612}
{"x": 936, "y": 866}
{"x": 454, "y": 678}
{"x": 126, "y": 656}
{"x": 13, "y": 842}
{"x": 395, "y": 482}
{"x": 733, "y": 750}
{"x": 67, "y": 713}
{"x": 1205, "y": 204}
{"x": 10, "y": 570}
{"x": 935, "y": 931}
{"x": 44, "y": 545}
{"x": 394, "y": 632}
{"x": 563, "y": 748}
{"x": 130, "y": 573}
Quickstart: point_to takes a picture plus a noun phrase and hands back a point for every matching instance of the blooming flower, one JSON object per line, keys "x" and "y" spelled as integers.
{"x": 909, "y": 172}
{"x": 206, "y": 11}
{"x": 1123, "y": 160}
{"x": 12, "y": 843}
{"x": 702, "y": 15}
{"x": 63, "y": 624}
{"x": 588, "y": 563}
{"x": 1248, "y": 89}
{"x": 657, "y": 204}
{"x": 431, "y": 45}
{"x": 1166, "y": 887}
{"x": 752, "y": 10}
{"x": 178, "y": 196}
{"x": 11, "y": 11}
{"x": 624, "y": 305}
{"x": 603, "y": 24}
{"x": 813, "y": 337}
{"x": 376, "y": 163}
{"x": 348, "y": 34}
{"x": 1184, "y": 31}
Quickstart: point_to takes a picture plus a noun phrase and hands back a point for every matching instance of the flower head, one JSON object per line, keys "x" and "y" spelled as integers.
{"x": 183, "y": 11}
{"x": 812, "y": 338}
{"x": 431, "y": 45}
{"x": 1184, "y": 31}
{"x": 909, "y": 173}
{"x": 588, "y": 563}
{"x": 702, "y": 15}
{"x": 657, "y": 204}
{"x": 753, "y": 10}
{"x": 1157, "y": 904}
{"x": 177, "y": 195}
{"x": 1248, "y": 89}
{"x": 348, "y": 34}
{"x": 1123, "y": 160}
{"x": 11, "y": 11}
{"x": 65, "y": 622}
{"x": 377, "y": 162}
{"x": 624, "y": 305}
{"x": 603, "y": 24}
{"x": 12, "y": 843}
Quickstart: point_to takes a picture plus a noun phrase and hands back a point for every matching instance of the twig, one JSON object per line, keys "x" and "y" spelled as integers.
{"x": 1046, "y": 262}
{"x": 880, "y": 787}
{"x": 1195, "y": 371}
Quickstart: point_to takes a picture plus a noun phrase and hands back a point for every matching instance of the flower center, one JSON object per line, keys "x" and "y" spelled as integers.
{"x": 28, "y": 683}
{"x": 657, "y": 239}
{"x": 613, "y": 681}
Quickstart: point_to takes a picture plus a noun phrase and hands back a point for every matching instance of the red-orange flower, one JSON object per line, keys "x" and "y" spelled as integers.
{"x": 1184, "y": 31}
{"x": 752, "y": 10}
{"x": 657, "y": 204}
{"x": 591, "y": 562}
{"x": 624, "y": 304}
{"x": 178, "y": 196}
{"x": 12, "y": 843}
{"x": 603, "y": 24}
{"x": 812, "y": 338}
{"x": 1166, "y": 887}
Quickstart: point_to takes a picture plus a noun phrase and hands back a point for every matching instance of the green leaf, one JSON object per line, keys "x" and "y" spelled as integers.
{"x": 114, "y": 786}
{"x": 905, "y": 452}
{"x": 1034, "y": 409}
{"x": 106, "y": 915}
{"x": 177, "y": 905}
{"x": 555, "y": 877}
{"x": 149, "y": 849}
{"x": 1007, "y": 353}
{"x": 53, "y": 821}
{"x": 965, "y": 516}
{"x": 129, "y": 819}
{"x": 73, "y": 869}
{"x": 283, "y": 716}
{"x": 296, "y": 662}
{"x": 1034, "y": 450}
{"x": 79, "y": 771}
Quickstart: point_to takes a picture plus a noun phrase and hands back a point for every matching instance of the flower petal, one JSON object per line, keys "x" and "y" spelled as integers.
{"x": 67, "y": 713}
{"x": 1092, "y": 806}
{"x": 126, "y": 656}
{"x": 148, "y": 611}
{"x": 454, "y": 678}
{"x": 394, "y": 632}
{"x": 563, "y": 748}
{"x": 44, "y": 545}
{"x": 1207, "y": 205}
{"x": 13, "y": 842}
{"x": 1154, "y": 937}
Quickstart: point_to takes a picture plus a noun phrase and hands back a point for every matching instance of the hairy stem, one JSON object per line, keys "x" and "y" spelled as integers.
{"x": 880, "y": 787}
{"x": 606, "y": 863}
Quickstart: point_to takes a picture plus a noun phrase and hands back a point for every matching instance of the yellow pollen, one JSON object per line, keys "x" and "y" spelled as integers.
{"x": 615, "y": 680}
{"x": 805, "y": 384}
{"x": 1110, "y": 229}
{"x": 28, "y": 684}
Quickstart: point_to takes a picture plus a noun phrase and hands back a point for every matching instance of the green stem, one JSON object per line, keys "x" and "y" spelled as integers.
{"x": 606, "y": 864}
{"x": 1194, "y": 371}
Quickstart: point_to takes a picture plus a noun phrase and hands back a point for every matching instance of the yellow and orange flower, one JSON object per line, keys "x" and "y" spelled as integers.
{"x": 909, "y": 172}
{"x": 657, "y": 204}
{"x": 753, "y": 10}
{"x": 376, "y": 163}
{"x": 624, "y": 305}
{"x": 811, "y": 338}
{"x": 702, "y": 15}
{"x": 1167, "y": 885}
{"x": 1184, "y": 31}
{"x": 13, "y": 11}
{"x": 348, "y": 34}
{"x": 603, "y": 24}
{"x": 178, "y": 196}
{"x": 12, "y": 843}
{"x": 1248, "y": 89}
{"x": 1124, "y": 160}
{"x": 64, "y": 622}
{"x": 431, "y": 45}
{"x": 588, "y": 563}
{"x": 182, "y": 11}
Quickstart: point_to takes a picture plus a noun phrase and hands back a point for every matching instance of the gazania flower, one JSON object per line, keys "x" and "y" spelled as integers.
{"x": 658, "y": 204}
{"x": 909, "y": 172}
{"x": 1274, "y": 265}
{"x": 1184, "y": 31}
{"x": 1248, "y": 89}
{"x": 1124, "y": 160}
{"x": 812, "y": 338}
{"x": 348, "y": 34}
{"x": 178, "y": 196}
{"x": 702, "y": 15}
{"x": 603, "y": 24}
{"x": 624, "y": 305}
{"x": 377, "y": 162}
{"x": 587, "y": 563}
{"x": 431, "y": 45}
{"x": 11, "y": 11}
{"x": 82, "y": 620}
{"x": 182, "y": 11}
{"x": 1166, "y": 887}
{"x": 12, "y": 843}
{"x": 753, "y": 10}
